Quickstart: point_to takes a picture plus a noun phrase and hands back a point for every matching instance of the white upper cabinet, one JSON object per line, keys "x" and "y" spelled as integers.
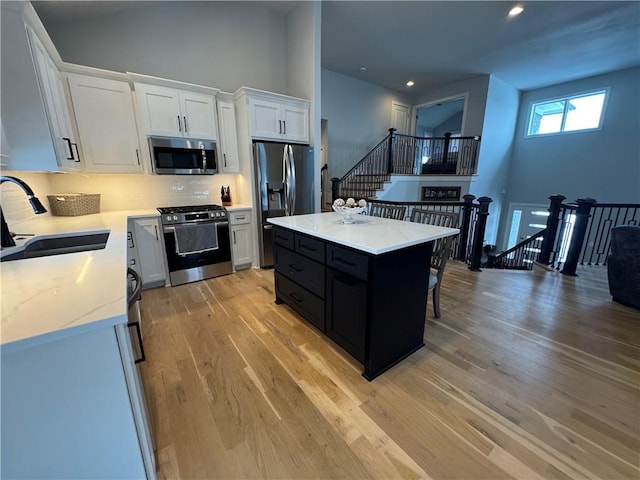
{"x": 295, "y": 121}
{"x": 276, "y": 117}
{"x": 171, "y": 112}
{"x": 52, "y": 88}
{"x": 230, "y": 161}
{"x": 265, "y": 119}
{"x": 36, "y": 121}
{"x": 106, "y": 124}
{"x": 198, "y": 115}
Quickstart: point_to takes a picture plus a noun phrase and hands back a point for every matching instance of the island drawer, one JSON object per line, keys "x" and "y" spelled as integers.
{"x": 348, "y": 261}
{"x": 301, "y": 300}
{"x": 302, "y": 270}
{"x": 310, "y": 247}
{"x": 283, "y": 237}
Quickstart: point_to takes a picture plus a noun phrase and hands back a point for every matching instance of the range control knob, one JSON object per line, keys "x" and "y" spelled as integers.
{"x": 175, "y": 217}
{"x": 168, "y": 218}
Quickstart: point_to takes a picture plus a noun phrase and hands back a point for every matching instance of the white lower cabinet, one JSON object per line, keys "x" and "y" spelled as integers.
{"x": 241, "y": 238}
{"x": 150, "y": 259}
{"x": 67, "y": 411}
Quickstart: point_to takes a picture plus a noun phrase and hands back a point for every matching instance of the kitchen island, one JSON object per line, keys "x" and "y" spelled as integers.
{"x": 364, "y": 285}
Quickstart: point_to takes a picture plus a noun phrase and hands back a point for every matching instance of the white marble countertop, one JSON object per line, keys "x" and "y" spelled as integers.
{"x": 369, "y": 234}
{"x": 48, "y": 297}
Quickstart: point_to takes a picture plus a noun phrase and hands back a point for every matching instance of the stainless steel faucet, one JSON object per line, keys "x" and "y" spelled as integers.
{"x": 38, "y": 208}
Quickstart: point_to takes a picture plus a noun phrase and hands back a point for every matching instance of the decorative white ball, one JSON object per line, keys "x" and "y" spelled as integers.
{"x": 338, "y": 202}
{"x": 362, "y": 203}
{"x": 351, "y": 202}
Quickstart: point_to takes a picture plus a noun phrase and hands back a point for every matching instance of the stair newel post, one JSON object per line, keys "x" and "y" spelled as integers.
{"x": 392, "y": 149}
{"x": 583, "y": 212}
{"x": 478, "y": 234}
{"x": 335, "y": 189}
{"x": 552, "y": 229}
{"x": 464, "y": 226}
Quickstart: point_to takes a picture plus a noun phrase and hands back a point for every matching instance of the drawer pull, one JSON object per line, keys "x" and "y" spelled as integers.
{"x": 295, "y": 267}
{"x": 351, "y": 264}
{"x": 302, "y": 245}
{"x": 296, "y": 297}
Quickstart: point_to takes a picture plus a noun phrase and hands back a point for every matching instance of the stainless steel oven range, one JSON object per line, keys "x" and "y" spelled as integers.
{"x": 197, "y": 242}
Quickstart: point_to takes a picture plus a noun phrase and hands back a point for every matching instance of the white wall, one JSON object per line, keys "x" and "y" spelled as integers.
{"x": 603, "y": 164}
{"x": 500, "y": 117}
{"x": 358, "y": 115}
{"x": 218, "y": 44}
{"x": 407, "y": 188}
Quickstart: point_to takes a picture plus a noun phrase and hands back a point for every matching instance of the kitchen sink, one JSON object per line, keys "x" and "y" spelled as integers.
{"x": 57, "y": 245}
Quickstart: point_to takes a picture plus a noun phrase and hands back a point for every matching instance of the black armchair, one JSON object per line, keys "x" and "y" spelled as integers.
{"x": 624, "y": 265}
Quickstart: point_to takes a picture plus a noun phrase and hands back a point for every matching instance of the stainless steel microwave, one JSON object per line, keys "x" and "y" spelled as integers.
{"x": 183, "y": 156}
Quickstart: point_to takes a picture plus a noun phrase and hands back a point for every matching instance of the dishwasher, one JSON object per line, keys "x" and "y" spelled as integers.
{"x": 132, "y": 354}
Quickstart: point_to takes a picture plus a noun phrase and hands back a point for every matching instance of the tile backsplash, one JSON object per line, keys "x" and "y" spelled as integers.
{"x": 118, "y": 191}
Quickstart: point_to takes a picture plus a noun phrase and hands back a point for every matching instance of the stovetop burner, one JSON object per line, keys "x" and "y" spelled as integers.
{"x": 190, "y": 209}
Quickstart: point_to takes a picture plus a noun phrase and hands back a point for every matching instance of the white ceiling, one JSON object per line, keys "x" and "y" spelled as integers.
{"x": 435, "y": 43}
{"x": 440, "y": 42}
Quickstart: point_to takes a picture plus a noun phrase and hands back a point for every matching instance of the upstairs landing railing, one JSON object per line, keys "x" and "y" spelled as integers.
{"x": 576, "y": 234}
{"x": 408, "y": 155}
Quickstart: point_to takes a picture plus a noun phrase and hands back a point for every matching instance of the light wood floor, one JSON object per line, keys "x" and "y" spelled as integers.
{"x": 526, "y": 375}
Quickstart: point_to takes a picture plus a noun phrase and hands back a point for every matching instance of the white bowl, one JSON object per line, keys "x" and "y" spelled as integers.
{"x": 348, "y": 212}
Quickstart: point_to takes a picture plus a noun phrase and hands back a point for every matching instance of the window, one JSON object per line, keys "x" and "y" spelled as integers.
{"x": 569, "y": 114}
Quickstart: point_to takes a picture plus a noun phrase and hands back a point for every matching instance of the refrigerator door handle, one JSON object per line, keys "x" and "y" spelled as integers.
{"x": 285, "y": 180}
{"x": 292, "y": 179}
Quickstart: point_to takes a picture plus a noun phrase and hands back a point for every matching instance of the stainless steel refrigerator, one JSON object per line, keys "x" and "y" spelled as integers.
{"x": 284, "y": 186}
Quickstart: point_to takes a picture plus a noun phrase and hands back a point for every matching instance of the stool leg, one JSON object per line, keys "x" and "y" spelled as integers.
{"x": 436, "y": 300}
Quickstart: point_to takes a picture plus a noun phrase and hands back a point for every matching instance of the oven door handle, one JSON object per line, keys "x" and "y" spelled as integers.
{"x": 172, "y": 228}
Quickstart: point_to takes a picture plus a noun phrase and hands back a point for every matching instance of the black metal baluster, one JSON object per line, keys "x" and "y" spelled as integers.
{"x": 464, "y": 226}
{"x": 601, "y": 242}
{"x": 591, "y": 223}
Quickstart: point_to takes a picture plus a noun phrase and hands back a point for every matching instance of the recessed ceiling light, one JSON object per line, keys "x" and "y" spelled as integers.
{"x": 363, "y": 69}
{"x": 410, "y": 83}
{"x": 517, "y": 10}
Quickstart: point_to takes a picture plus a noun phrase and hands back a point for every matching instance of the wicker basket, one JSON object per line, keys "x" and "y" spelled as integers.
{"x": 74, "y": 204}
